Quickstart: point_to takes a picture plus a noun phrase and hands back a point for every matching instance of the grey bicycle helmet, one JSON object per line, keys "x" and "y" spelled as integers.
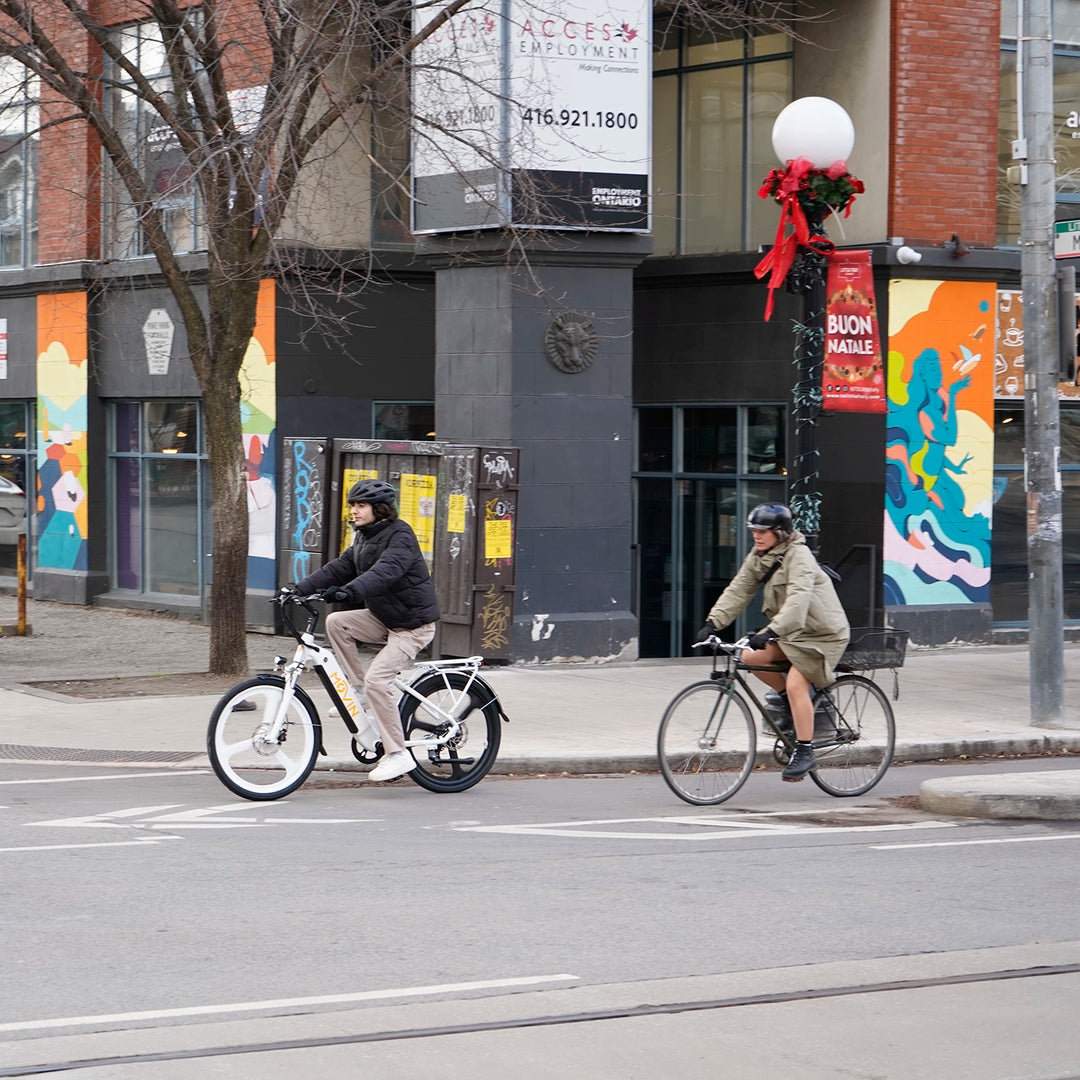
{"x": 775, "y": 516}
{"x": 371, "y": 491}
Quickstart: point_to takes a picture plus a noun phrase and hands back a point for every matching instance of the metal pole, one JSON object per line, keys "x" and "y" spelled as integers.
{"x": 1042, "y": 472}
{"x": 20, "y": 570}
{"x": 807, "y": 276}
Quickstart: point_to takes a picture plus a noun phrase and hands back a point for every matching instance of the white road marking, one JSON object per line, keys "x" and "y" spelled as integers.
{"x": 144, "y": 842}
{"x": 707, "y": 828}
{"x": 116, "y": 776}
{"x": 285, "y": 1003}
{"x": 153, "y": 817}
{"x": 996, "y": 840}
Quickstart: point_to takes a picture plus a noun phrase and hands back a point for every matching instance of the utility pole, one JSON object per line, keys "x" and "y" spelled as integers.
{"x": 1042, "y": 451}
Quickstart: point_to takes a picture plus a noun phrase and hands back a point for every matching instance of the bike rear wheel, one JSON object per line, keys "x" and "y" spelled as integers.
{"x": 856, "y": 759}
{"x": 246, "y": 764}
{"x": 707, "y": 743}
{"x": 466, "y": 759}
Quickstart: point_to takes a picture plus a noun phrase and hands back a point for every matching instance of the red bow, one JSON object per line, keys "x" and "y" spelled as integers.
{"x": 779, "y": 259}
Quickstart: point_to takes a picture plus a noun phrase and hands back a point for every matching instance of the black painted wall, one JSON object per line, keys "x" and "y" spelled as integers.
{"x": 328, "y": 375}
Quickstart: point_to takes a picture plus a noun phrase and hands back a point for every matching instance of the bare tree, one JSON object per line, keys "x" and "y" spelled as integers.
{"x": 256, "y": 96}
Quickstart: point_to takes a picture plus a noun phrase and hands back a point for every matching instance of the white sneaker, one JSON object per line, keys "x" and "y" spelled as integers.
{"x": 396, "y": 763}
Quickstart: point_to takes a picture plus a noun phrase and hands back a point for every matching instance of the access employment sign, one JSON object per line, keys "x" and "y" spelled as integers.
{"x": 533, "y": 114}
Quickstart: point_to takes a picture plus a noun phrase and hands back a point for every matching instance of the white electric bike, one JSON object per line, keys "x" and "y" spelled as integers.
{"x": 265, "y": 733}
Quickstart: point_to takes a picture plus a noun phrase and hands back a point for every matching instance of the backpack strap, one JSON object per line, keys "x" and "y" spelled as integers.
{"x": 772, "y": 570}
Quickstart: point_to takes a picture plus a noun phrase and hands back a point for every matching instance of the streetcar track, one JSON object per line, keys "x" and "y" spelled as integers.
{"x": 522, "y": 1023}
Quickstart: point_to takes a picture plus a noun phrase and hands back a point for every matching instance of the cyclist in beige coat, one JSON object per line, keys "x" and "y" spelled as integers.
{"x": 807, "y": 625}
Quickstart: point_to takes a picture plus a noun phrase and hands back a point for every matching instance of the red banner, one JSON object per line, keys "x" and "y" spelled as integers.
{"x": 853, "y": 378}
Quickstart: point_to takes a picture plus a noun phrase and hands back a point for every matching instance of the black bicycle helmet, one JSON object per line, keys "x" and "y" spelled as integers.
{"x": 371, "y": 491}
{"x": 775, "y": 516}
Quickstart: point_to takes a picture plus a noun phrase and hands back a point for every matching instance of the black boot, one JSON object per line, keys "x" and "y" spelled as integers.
{"x": 802, "y": 762}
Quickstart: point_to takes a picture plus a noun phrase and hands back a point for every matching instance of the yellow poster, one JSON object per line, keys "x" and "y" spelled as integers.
{"x": 348, "y": 478}
{"x": 455, "y": 514}
{"x": 498, "y": 539}
{"x": 417, "y": 507}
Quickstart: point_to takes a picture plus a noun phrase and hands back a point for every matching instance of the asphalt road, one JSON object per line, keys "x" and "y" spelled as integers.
{"x": 153, "y": 923}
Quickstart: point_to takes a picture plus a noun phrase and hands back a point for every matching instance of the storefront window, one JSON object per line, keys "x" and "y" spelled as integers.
{"x": 16, "y": 484}
{"x": 412, "y": 421}
{"x": 690, "y": 533}
{"x": 1066, "y": 119}
{"x": 154, "y": 148}
{"x": 1009, "y": 568}
{"x": 157, "y": 472}
{"x": 715, "y": 97}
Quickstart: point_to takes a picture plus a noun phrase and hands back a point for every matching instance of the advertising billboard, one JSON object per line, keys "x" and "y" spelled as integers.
{"x": 533, "y": 114}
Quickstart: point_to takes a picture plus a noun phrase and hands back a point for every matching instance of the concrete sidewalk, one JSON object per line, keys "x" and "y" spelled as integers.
{"x": 953, "y": 702}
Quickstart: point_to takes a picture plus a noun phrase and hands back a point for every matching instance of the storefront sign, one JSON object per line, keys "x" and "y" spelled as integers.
{"x": 158, "y": 338}
{"x": 1066, "y": 239}
{"x": 535, "y": 115}
{"x": 3, "y": 348}
{"x": 1009, "y": 350}
{"x": 853, "y": 378}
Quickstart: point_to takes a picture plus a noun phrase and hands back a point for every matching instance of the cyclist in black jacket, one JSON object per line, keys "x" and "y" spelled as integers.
{"x": 389, "y": 596}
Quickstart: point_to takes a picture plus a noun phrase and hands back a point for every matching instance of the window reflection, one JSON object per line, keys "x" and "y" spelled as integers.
{"x": 156, "y": 505}
{"x": 410, "y": 421}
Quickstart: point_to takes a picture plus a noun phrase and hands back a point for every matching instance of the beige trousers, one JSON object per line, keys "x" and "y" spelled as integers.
{"x": 345, "y": 629}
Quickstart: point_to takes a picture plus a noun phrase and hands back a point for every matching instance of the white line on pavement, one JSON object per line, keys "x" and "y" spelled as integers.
{"x": 117, "y": 776}
{"x": 711, "y": 829}
{"x": 105, "y": 843}
{"x": 996, "y": 840}
{"x": 285, "y": 1003}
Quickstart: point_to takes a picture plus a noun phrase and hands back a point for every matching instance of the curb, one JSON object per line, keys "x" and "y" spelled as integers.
{"x": 1042, "y": 796}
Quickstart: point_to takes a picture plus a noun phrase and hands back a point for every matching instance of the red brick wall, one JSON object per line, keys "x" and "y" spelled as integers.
{"x": 945, "y": 61}
{"x": 69, "y": 157}
{"x": 69, "y": 217}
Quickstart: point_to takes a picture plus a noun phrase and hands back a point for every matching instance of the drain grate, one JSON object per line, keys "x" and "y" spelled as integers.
{"x": 13, "y": 752}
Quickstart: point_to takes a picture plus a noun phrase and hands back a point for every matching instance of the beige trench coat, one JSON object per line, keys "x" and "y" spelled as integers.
{"x": 800, "y": 603}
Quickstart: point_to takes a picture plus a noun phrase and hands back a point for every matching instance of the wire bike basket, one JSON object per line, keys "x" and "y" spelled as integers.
{"x": 871, "y": 648}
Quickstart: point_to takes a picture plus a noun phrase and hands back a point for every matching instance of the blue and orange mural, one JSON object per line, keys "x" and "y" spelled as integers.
{"x": 939, "y": 444}
{"x": 61, "y": 421}
{"x": 258, "y": 415}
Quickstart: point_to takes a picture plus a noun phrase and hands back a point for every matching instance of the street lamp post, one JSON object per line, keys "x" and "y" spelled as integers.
{"x": 813, "y": 138}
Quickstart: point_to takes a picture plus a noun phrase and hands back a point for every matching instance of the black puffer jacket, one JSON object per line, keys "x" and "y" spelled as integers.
{"x": 385, "y": 572}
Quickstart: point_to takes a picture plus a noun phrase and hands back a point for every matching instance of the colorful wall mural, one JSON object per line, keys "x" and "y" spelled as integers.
{"x": 258, "y": 416}
{"x": 61, "y": 423}
{"x": 939, "y": 443}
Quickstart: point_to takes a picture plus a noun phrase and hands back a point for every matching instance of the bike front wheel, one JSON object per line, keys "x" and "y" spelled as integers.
{"x": 853, "y": 761}
{"x": 465, "y": 759}
{"x": 707, "y": 743}
{"x": 245, "y": 762}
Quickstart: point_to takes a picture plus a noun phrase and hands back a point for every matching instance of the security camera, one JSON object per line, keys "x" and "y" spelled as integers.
{"x": 908, "y": 256}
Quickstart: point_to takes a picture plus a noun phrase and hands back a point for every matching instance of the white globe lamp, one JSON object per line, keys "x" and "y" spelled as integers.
{"x": 814, "y": 128}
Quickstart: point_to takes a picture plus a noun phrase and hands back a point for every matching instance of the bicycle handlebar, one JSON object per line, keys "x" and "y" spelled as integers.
{"x": 729, "y": 647}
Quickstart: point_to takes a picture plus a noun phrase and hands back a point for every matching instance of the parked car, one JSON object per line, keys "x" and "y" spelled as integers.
{"x": 12, "y": 512}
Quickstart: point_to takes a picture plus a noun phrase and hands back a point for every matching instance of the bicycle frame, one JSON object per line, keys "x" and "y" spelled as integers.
{"x": 732, "y": 672}
{"x": 310, "y": 655}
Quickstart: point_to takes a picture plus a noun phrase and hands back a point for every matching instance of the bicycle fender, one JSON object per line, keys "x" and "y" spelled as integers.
{"x": 303, "y": 695}
{"x": 493, "y": 698}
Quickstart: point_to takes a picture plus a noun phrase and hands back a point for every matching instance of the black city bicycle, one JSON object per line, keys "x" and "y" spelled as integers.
{"x": 707, "y": 742}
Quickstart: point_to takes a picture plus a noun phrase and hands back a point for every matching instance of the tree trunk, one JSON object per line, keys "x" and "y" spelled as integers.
{"x": 228, "y": 594}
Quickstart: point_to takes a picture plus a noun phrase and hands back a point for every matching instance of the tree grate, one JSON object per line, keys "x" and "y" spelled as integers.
{"x": 13, "y": 752}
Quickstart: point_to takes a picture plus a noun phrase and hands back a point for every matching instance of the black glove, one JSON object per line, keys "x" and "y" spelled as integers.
{"x": 335, "y": 594}
{"x": 705, "y": 633}
{"x": 761, "y": 639}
